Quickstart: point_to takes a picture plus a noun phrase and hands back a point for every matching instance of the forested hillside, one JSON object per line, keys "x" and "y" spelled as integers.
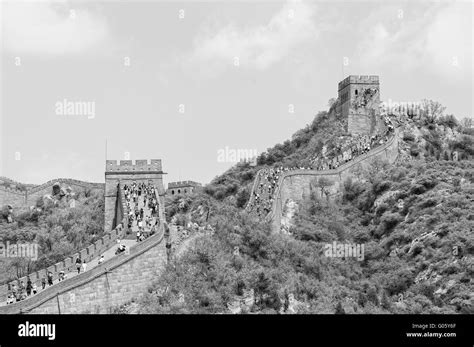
{"x": 58, "y": 229}
{"x": 414, "y": 218}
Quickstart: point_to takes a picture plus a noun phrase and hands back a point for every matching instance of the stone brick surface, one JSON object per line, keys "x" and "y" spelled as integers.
{"x": 298, "y": 184}
{"x": 360, "y": 120}
{"x": 113, "y": 283}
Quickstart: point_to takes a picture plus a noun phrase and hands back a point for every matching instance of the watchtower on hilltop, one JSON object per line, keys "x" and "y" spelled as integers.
{"x": 126, "y": 172}
{"x": 359, "y": 100}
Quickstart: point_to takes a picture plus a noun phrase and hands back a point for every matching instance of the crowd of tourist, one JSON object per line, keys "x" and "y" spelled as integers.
{"x": 146, "y": 223}
{"x": 347, "y": 149}
{"x": 20, "y": 291}
{"x": 351, "y": 147}
{"x": 267, "y": 182}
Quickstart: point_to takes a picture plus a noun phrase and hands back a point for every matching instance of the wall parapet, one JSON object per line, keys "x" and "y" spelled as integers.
{"x": 88, "y": 253}
{"x": 359, "y": 79}
{"x": 140, "y": 165}
{"x": 69, "y": 284}
{"x": 65, "y": 181}
{"x": 180, "y": 184}
{"x": 271, "y": 217}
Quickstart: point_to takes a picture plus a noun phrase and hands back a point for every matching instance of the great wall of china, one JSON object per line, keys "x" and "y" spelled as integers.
{"x": 124, "y": 277}
{"x": 296, "y": 184}
{"x": 17, "y": 198}
{"x": 118, "y": 279}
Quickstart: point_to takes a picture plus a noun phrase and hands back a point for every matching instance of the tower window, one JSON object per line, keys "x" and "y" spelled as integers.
{"x": 172, "y": 192}
{"x": 356, "y": 92}
{"x": 179, "y": 191}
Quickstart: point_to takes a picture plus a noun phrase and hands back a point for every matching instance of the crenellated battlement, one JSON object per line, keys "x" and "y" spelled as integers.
{"x": 180, "y": 184}
{"x": 18, "y": 196}
{"x": 140, "y": 165}
{"x": 359, "y": 79}
{"x": 68, "y": 181}
{"x": 358, "y": 103}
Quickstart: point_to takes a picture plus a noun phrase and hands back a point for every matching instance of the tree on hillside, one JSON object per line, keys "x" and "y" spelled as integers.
{"x": 358, "y": 171}
{"x": 324, "y": 183}
{"x": 376, "y": 165}
{"x": 5, "y": 212}
{"x": 449, "y": 120}
{"x": 431, "y": 111}
{"x": 19, "y": 267}
{"x": 242, "y": 197}
{"x": 466, "y": 122}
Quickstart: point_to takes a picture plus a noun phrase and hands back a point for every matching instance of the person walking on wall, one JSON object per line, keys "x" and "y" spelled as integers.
{"x": 78, "y": 265}
{"x": 28, "y": 287}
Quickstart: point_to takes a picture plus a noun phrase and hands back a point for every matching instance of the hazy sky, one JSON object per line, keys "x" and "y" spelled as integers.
{"x": 181, "y": 81}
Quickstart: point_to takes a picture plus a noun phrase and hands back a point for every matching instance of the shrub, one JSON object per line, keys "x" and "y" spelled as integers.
{"x": 242, "y": 197}
{"x": 417, "y": 189}
{"x": 408, "y": 137}
{"x": 387, "y": 223}
{"x": 381, "y": 186}
{"x": 449, "y": 121}
{"x": 399, "y": 281}
{"x": 464, "y": 144}
{"x": 351, "y": 189}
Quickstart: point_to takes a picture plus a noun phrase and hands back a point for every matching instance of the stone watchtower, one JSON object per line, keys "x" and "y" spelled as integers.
{"x": 126, "y": 172}
{"x": 182, "y": 187}
{"x": 359, "y": 101}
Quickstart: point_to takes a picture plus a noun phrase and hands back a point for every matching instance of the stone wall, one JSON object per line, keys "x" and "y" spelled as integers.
{"x": 113, "y": 283}
{"x": 117, "y": 280}
{"x": 298, "y": 184}
{"x": 18, "y": 198}
{"x": 68, "y": 264}
{"x": 361, "y": 124}
{"x": 95, "y": 295}
{"x": 47, "y": 188}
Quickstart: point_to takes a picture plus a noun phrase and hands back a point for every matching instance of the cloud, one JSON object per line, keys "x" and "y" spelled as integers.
{"x": 435, "y": 39}
{"x": 261, "y": 46}
{"x": 45, "y": 28}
